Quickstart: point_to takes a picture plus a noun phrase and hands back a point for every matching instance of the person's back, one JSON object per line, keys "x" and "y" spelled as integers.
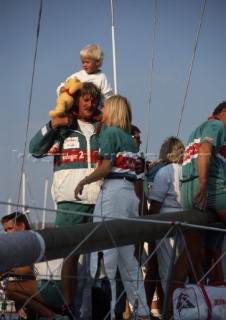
{"x": 199, "y": 136}
{"x": 203, "y": 186}
{"x": 117, "y": 197}
{"x": 166, "y": 197}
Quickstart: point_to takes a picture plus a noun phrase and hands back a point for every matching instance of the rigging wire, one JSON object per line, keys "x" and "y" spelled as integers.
{"x": 30, "y": 98}
{"x": 191, "y": 66}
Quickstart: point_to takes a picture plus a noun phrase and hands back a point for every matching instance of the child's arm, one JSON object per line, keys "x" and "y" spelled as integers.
{"x": 60, "y": 89}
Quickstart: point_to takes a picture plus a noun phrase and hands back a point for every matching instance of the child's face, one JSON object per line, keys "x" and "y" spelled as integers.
{"x": 90, "y": 65}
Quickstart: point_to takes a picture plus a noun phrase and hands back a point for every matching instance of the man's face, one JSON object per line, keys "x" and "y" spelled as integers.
{"x": 137, "y": 140}
{"x": 223, "y": 112}
{"x": 11, "y": 226}
{"x": 87, "y": 107}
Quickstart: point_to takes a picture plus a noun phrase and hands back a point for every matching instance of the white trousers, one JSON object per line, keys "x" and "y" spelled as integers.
{"x": 117, "y": 199}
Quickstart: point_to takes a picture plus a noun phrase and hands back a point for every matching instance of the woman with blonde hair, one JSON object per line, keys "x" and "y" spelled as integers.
{"x": 117, "y": 198}
{"x": 165, "y": 197}
{"x": 172, "y": 151}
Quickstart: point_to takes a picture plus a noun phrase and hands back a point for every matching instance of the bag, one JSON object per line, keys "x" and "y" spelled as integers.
{"x": 198, "y": 302}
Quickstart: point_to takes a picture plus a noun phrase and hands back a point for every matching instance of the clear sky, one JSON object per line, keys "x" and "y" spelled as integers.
{"x": 66, "y": 27}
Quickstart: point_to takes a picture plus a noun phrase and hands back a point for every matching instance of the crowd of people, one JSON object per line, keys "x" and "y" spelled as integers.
{"x": 100, "y": 175}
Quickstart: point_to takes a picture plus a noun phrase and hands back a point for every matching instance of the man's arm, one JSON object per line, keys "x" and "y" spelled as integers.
{"x": 43, "y": 140}
{"x": 203, "y": 163}
{"x": 155, "y": 206}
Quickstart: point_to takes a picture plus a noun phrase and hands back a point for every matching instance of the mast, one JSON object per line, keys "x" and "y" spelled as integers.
{"x": 23, "y": 248}
{"x": 9, "y": 205}
{"x": 44, "y": 205}
{"x": 23, "y": 190}
{"x": 113, "y": 47}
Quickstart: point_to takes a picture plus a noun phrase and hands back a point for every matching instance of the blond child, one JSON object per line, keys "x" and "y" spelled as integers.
{"x": 92, "y": 59}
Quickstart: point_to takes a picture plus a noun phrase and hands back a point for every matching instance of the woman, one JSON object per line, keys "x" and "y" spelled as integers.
{"x": 165, "y": 196}
{"x": 117, "y": 197}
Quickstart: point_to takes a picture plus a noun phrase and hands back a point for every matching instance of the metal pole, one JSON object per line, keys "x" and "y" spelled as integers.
{"x": 113, "y": 47}
{"x": 9, "y": 205}
{"x": 44, "y": 205}
{"x": 23, "y": 190}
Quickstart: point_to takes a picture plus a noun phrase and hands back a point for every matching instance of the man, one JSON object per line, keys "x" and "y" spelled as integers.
{"x": 15, "y": 221}
{"x": 203, "y": 182}
{"x": 22, "y": 285}
{"x": 139, "y": 184}
{"x": 73, "y": 141}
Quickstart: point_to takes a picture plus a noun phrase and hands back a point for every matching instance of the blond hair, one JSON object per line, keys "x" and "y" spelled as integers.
{"x": 119, "y": 112}
{"x": 172, "y": 150}
{"x": 93, "y": 52}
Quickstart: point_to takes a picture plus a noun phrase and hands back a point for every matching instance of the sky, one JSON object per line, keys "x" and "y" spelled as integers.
{"x": 151, "y": 71}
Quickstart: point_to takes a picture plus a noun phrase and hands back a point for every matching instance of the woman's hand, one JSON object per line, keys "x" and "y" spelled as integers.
{"x": 78, "y": 190}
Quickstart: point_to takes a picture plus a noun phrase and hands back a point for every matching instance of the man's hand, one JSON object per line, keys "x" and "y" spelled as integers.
{"x": 78, "y": 190}
{"x": 203, "y": 163}
{"x": 200, "y": 199}
{"x": 61, "y": 121}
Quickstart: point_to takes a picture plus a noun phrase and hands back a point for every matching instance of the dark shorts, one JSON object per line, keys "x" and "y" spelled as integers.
{"x": 51, "y": 292}
{"x": 216, "y": 199}
{"x": 68, "y": 213}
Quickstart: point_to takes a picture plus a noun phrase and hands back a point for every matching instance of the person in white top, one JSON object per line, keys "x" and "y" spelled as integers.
{"x": 92, "y": 59}
{"x": 166, "y": 197}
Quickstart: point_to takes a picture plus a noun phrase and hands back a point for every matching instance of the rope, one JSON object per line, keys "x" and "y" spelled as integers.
{"x": 149, "y": 101}
{"x": 30, "y": 98}
{"x": 191, "y": 66}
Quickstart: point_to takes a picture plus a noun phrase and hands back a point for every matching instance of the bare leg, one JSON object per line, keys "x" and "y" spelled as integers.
{"x": 222, "y": 215}
{"x": 194, "y": 243}
{"x": 69, "y": 281}
{"x": 21, "y": 291}
{"x": 152, "y": 279}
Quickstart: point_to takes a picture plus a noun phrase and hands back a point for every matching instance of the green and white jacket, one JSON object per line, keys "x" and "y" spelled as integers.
{"x": 75, "y": 156}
